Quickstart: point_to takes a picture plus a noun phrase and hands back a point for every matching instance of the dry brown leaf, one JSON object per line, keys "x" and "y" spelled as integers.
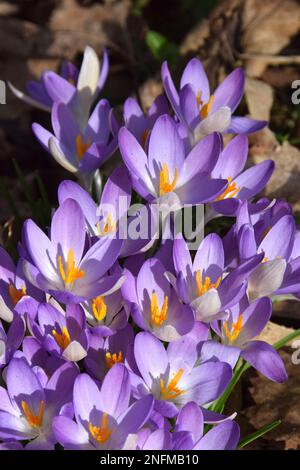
{"x": 259, "y": 97}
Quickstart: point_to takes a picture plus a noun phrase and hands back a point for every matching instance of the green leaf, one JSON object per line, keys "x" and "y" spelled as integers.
{"x": 282, "y": 342}
{"x": 160, "y": 47}
{"x": 261, "y": 432}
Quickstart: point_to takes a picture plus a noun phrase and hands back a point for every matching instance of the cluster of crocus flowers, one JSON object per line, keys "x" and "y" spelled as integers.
{"x": 111, "y": 341}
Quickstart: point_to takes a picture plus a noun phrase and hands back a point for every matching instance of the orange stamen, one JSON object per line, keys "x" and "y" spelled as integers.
{"x": 112, "y": 359}
{"x": 81, "y": 147}
{"x": 16, "y": 294}
{"x": 63, "y": 339}
{"x": 230, "y": 191}
{"x": 69, "y": 273}
{"x": 171, "y": 391}
{"x": 34, "y": 420}
{"x": 99, "y": 308}
{"x": 235, "y": 329}
{"x": 164, "y": 180}
{"x": 203, "y": 287}
{"x": 101, "y": 434}
{"x": 158, "y": 316}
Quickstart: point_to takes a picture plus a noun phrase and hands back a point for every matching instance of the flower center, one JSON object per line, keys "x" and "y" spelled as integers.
{"x": 81, "y": 146}
{"x": 112, "y": 359}
{"x": 101, "y": 434}
{"x": 235, "y": 329}
{"x": 16, "y": 294}
{"x": 99, "y": 308}
{"x": 34, "y": 420}
{"x": 171, "y": 391}
{"x": 203, "y": 287}
{"x": 68, "y": 271}
{"x": 204, "y": 107}
{"x": 63, "y": 339}
{"x": 158, "y": 316}
{"x": 164, "y": 180}
{"x": 108, "y": 227}
{"x": 230, "y": 191}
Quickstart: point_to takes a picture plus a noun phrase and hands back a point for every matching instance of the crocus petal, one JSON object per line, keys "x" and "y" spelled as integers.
{"x": 244, "y": 125}
{"x": 135, "y": 159}
{"x": 217, "y": 121}
{"x": 253, "y": 180}
{"x": 57, "y": 87}
{"x": 40, "y": 249}
{"x": 42, "y": 135}
{"x": 86, "y": 398}
{"x": 68, "y": 230}
{"x": 230, "y": 91}
{"x": 115, "y": 390}
{"x": 255, "y": 318}
{"x": 200, "y": 189}
{"x": 194, "y": 74}
{"x": 213, "y": 350}
{"x": 233, "y": 158}
{"x": 70, "y": 190}
{"x": 136, "y": 416}
{"x": 190, "y": 418}
{"x": 202, "y": 158}
{"x": 27, "y": 99}
{"x": 12, "y": 427}
{"x": 151, "y": 357}
{"x": 274, "y": 245}
{"x": 69, "y": 434}
{"x": 59, "y": 155}
{"x": 224, "y": 436}
{"x": 170, "y": 89}
{"x": 160, "y": 439}
{"x": 263, "y": 357}
{"x": 266, "y": 278}
{"x": 210, "y": 256}
{"x": 165, "y": 147}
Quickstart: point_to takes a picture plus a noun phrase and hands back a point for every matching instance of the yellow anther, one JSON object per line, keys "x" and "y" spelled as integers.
{"x": 81, "y": 147}
{"x": 112, "y": 359}
{"x": 16, "y": 294}
{"x": 101, "y": 434}
{"x": 230, "y": 191}
{"x": 171, "y": 391}
{"x": 235, "y": 330}
{"x": 158, "y": 316}
{"x": 164, "y": 180}
{"x": 71, "y": 81}
{"x": 69, "y": 273}
{"x": 63, "y": 339}
{"x": 203, "y": 287}
{"x": 34, "y": 420}
{"x": 99, "y": 308}
{"x": 204, "y": 111}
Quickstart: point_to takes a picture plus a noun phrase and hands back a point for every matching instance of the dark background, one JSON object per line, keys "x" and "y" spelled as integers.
{"x": 261, "y": 36}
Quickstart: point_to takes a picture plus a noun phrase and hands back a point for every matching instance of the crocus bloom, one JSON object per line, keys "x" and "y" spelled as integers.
{"x": 61, "y": 266}
{"x": 105, "y": 218}
{"x": 242, "y": 185}
{"x": 204, "y": 283}
{"x": 174, "y": 379}
{"x": 79, "y": 150}
{"x": 106, "y": 313}
{"x": 244, "y": 322}
{"x": 278, "y": 271}
{"x": 62, "y": 333}
{"x": 16, "y": 293}
{"x": 85, "y": 84}
{"x": 27, "y": 407}
{"x": 12, "y": 340}
{"x": 140, "y": 124}
{"x": 154, "y": 303}
{"x": 104, "y": 418}
{"x": 103, "y": 353}
{"x": 189, "y": 429}
{"x": 165, "y": 174}
{"x": 202, "y": 113}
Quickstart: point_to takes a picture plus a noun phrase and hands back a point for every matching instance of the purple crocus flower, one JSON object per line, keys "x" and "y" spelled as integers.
{"x": 80, "y": 150}
{"x": 12, "y": 340}
{"x": 62, "y": 334}
{"x": 188, "y": 433}
{"x": 103, "y": 353}
{"x": 165, "y": 174}
{"x": 244, "y": 322}
{"x": 202, "y": 113}
{"x": 28, "y": 406}
{"x": 154, "y": 303}
{"x": 175, "y": 379}
{"x": 105, "y": 218}
{"x": 104, "y": 419}
{"x": 61, "y": 265}
{"x": 279, "y": 270}
{"x": 16, "y": 293}
{"x": 204, "y": 284}
{"x": 85, "y": 83}
{"x": 140, "y": 124}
